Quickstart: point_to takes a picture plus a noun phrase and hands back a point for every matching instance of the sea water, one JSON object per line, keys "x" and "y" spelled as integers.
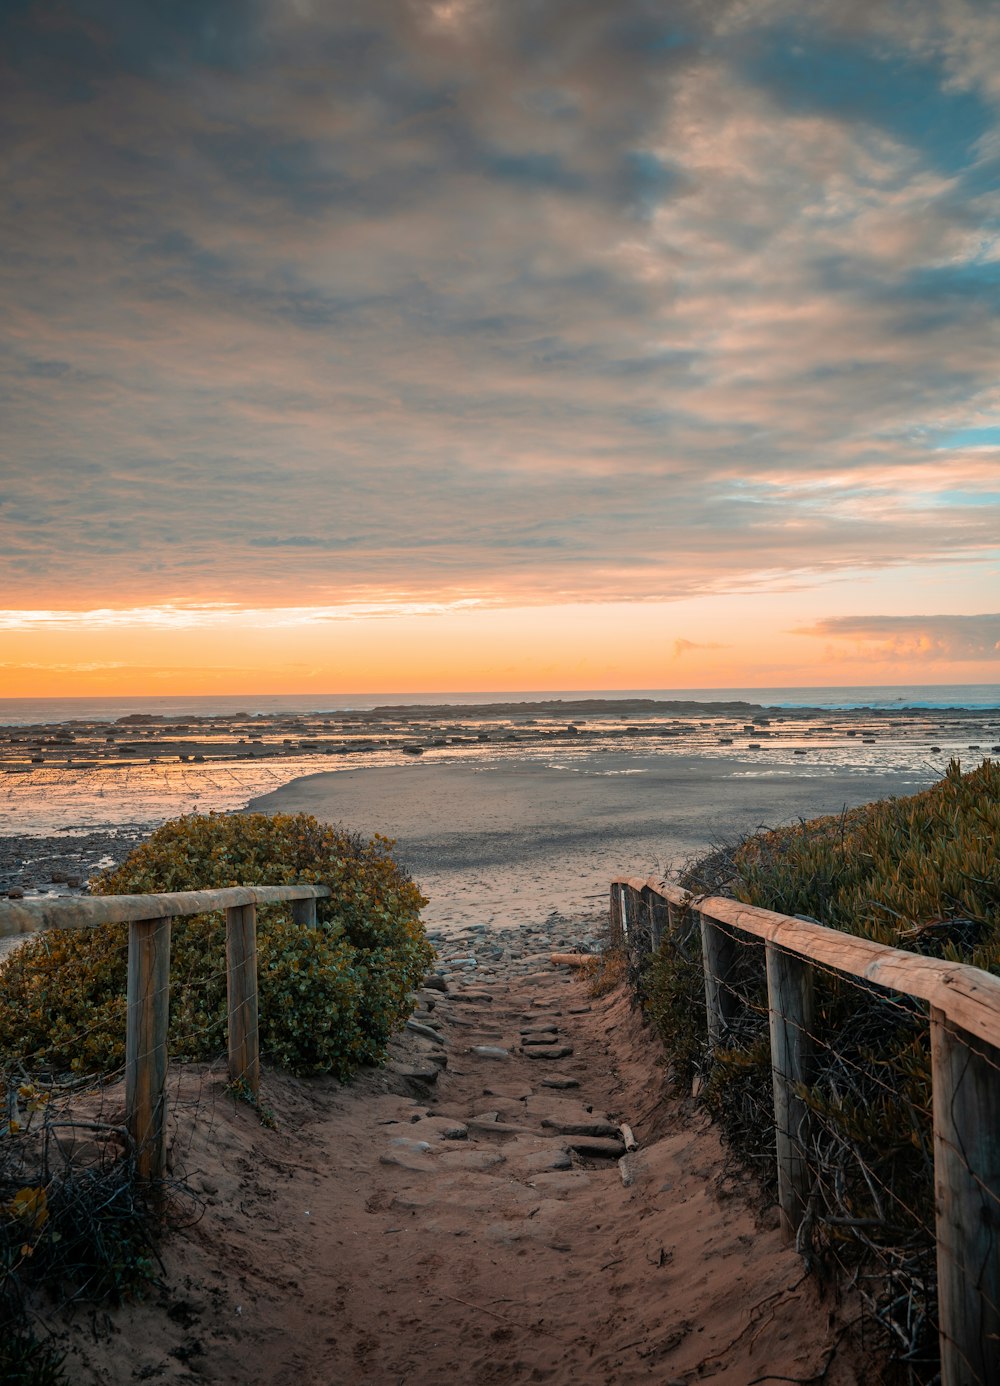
{"x": 51, "y": 799}
{"x": 16, "y": 712}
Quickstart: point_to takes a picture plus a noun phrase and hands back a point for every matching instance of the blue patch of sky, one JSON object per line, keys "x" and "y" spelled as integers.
{"x": 647, "y": 181}
{"x": 939, "y": 501}
{"x": 811, "y": 73}
{"x": 648, "y": 35}
{"x": 988, "y": 436}
{"x": 975, "y": 280}
{"x": 531, "y": 169}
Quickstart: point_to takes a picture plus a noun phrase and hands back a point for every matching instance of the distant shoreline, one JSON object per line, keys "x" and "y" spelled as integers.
{"x": 147, "y": 767}
{"x": 981, "y": 697}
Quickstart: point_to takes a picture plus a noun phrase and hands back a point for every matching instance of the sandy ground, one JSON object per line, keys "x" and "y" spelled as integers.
{"x": 464, "y": 1227}
{"x": 508, "y": 844}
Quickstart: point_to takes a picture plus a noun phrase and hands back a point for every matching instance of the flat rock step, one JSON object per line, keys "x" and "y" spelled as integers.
{"x": 557, "y": 1081}
{"x": 427, "y": 1032}
{"x": 474, "y": 1158}
{"x": 423, "y": 1073}
{"x": 595, "y": 1128}
{"x": 549, "y": 1051}
{"x": 596, "y": 1147}
{"x": 431, "y": 1128}
{"x": 481, "y": 1127}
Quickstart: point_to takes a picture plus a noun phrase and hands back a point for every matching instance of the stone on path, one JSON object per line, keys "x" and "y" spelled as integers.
{"x": 425, "y": 1031}
{"x": 408, "y": 1154}
{"x": 507, "y": 1121}
{"x": 410, "y": 1145}
{"x": 593, "y": 1127}
{"x": 541, "y": 1161}
{"x": 596, "y": 1147}
{"x": 489, "y": 1051}
{"x": 440, "y": 1128}
{"x": 423, "y": 1073}
{"x": 550, "y": 1051}
{"x": 557, "y": 1081}
{"x": 471, "y": 1158}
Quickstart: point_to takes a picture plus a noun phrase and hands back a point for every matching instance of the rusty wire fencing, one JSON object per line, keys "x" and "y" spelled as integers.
{"x": 862, "y": 1083}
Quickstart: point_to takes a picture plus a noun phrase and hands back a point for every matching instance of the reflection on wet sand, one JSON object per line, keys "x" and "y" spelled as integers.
{"x": 138, "y": 771}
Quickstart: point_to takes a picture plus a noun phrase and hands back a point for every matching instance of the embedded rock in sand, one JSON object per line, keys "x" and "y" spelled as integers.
{"x": 529, "y": 1155}
{"x": 441, "y": 1128}
{"x": 426, "y": 1032}
{"x": 591, "y": 1127}
{"x": 423, "y": 1073}
{"x": 471, "y": 1158}
{"x": 596, "y": 1147}
{"x": 552, "y": 1051}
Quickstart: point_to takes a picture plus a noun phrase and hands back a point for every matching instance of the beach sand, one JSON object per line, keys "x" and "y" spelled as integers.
{"x": 512, "y": 843}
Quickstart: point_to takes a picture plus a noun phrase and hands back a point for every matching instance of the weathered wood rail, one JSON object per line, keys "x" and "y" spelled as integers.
{"x": 964, "y": 1018}
{"x": 149, "y": 919}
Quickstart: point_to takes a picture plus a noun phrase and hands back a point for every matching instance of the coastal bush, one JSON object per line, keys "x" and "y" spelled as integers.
{"x": 328, "y": 998}
{"x": 70, "y": 1229}
{"x": 921, "y": 873}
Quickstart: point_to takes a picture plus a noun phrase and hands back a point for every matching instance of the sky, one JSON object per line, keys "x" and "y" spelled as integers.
{"x": 459, "y": 344}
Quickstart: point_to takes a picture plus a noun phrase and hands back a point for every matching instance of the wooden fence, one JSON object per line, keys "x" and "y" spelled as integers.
{"x": 964, "y": 1005}
{"x": 148, "y": 990}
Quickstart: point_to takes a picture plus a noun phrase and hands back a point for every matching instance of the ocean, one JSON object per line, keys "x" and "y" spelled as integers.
{"x": 15, "y": 712}
{"x": 79, "y": 779}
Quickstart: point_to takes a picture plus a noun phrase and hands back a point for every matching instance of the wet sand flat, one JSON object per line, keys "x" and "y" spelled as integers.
{"x": 512, "y": 843}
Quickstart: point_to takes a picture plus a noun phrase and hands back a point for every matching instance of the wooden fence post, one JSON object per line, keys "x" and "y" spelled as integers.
{"x": 241, "y": 990}
{"x": 657, "y": 918}
{"x": 615, "y": 914}
{"x": 718, "y": 951}
{"x": 790, "y": 1016}
{"x": 304, "y": 912}
{"x": 148, "y": 1004}
{"x": 966, "y": 1081}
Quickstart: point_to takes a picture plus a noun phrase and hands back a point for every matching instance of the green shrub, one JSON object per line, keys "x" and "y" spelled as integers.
{"x": 329, "y": 998}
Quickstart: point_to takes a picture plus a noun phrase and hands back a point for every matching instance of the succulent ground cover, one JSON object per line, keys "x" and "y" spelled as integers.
{"x": 921, "y": 873}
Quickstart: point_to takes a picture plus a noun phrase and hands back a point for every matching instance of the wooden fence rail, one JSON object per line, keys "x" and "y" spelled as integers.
{"x": 148, "y": 990}
{"x": 964, "y": 1018}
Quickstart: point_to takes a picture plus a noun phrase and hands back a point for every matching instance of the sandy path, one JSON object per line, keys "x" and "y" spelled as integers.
{"x": 444, "y": 1230}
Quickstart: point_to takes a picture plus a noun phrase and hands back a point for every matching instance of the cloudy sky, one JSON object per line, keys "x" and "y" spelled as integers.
{"x": 498, "y": 344}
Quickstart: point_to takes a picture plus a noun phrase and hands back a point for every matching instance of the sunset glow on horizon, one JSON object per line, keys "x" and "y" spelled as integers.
{"x": 471, "y": 347}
